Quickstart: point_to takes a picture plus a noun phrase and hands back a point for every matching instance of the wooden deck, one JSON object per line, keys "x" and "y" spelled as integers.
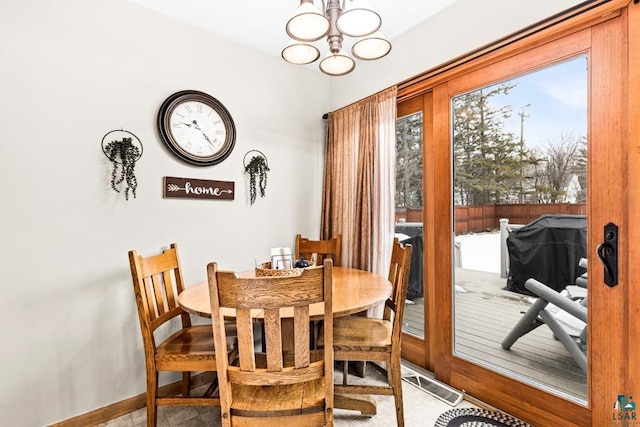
{"x": 485, "y": 313}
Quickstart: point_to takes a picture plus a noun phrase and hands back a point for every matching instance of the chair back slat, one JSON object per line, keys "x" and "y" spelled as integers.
{"x": 171, "y": 298}
{"x": 301, "y": 331}
{"x": 149, "y": 297}
{"x": 161, "y": 281}
{"x": 244, "y": 326}
{"x": 273, "y": 336}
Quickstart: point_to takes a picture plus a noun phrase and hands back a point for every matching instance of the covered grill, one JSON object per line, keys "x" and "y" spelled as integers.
{"x": 547, "y": 249}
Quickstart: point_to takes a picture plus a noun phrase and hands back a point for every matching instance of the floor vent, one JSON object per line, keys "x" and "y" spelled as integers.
{"x": 433, "y": 387}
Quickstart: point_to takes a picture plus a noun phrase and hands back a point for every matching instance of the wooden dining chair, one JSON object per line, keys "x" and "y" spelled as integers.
{"x": 319, "y": 250}
{"x": 157, "y": 282}
{"x": 275, "y": 387}
{"x": 357, "y": 338}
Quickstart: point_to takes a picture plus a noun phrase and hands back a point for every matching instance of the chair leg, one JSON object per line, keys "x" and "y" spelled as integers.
{"x": 359, "y": 366}
{"x": 152, "y": 395}
{"x": 394, "y": 375}
{"x": 345, "y": 372}
{"x": 186, "y": 383}
{"x": 527, "y": 323}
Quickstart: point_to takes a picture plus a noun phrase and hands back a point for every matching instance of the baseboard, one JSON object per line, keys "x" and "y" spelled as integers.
{"x": 118, "y": 409}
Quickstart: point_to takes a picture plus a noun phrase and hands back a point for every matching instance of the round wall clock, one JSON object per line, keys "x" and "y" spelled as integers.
{"x": 196, "y": 128}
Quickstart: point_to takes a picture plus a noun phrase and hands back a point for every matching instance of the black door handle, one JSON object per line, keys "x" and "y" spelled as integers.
{"x": 608, "y": 254}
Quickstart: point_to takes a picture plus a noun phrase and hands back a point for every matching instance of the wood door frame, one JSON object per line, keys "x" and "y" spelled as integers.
{"x": 418, "y": 350}
{"x": 633, "y": 203}
{"x": 608, "y": 25}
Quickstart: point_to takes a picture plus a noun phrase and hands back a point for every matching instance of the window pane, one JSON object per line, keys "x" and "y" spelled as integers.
{"x": 519, "y": 194}
{"x": 408, "y": 200}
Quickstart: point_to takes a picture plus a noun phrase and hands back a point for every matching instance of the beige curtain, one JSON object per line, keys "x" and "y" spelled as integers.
{"x": 359, "y": 181}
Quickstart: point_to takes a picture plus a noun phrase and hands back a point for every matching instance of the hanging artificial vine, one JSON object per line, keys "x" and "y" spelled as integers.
{"x": 257, "y": 168}
{"x": 125, "y": 154}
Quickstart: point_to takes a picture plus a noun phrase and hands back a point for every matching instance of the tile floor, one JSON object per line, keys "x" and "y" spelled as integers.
{"x": 420, "y": 409}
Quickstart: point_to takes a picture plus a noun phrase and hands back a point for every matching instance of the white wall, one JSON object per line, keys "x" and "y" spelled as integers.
{"x": 70, "y": 71}
{"x": 458, "y": 29}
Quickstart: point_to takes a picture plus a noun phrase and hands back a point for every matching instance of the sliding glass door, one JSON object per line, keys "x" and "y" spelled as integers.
{"x": 523, "y": 167}
{"x": 413, "y": 123}
{"x": 519, "y": 158}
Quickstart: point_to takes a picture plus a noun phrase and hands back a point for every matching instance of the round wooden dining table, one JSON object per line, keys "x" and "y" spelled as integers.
{"x": 353, "y": 291}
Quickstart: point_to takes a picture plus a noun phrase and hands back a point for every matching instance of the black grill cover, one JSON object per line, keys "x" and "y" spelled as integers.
{"x": 547, "y": 249}
{"x": 416, "y": 285}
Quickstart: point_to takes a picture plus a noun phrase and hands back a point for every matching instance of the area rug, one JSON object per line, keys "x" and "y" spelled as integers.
{"x": 474, "y": 417}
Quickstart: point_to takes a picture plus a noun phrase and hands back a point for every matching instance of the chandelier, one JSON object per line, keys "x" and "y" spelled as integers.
{"x": 335, "y": 19}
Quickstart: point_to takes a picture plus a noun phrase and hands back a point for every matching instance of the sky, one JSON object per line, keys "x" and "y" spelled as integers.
{"x": 557, "y": 95}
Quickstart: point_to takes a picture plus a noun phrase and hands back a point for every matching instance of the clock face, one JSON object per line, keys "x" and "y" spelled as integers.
{"x": 196, "y": 128}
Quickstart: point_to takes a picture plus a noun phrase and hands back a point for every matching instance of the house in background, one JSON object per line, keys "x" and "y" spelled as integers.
{"x": 73, "y": 71}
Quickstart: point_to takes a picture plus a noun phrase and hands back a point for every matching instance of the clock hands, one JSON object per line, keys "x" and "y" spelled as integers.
{"x": 195, "y": 125}
{"x": 208, "y": 140}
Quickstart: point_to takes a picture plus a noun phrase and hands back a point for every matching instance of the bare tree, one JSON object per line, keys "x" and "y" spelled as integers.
{"x": 564, "y": 156}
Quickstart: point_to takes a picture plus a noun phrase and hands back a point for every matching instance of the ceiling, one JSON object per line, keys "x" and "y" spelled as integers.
{"x": 260, "y": 23}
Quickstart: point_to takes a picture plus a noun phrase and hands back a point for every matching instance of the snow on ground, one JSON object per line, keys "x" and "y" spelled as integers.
{"x": 480, "y": 251}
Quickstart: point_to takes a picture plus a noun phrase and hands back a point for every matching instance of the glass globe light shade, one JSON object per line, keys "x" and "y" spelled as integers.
{"x": 300, "y": 53}
{"x": 337, "y": 64}
{"x": 308, "y": 24}
{"x": 373, "y": 46}
{"x": 358, "y": 19}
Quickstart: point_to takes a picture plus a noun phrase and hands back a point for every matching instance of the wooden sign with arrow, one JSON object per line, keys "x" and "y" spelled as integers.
{"x": 189, "y": 188}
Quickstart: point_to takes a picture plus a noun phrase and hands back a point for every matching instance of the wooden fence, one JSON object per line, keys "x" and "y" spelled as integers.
{"x": 470, "y": 219}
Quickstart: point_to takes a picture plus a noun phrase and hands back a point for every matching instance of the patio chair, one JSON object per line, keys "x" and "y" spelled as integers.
{"x": 565, "y": 313}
